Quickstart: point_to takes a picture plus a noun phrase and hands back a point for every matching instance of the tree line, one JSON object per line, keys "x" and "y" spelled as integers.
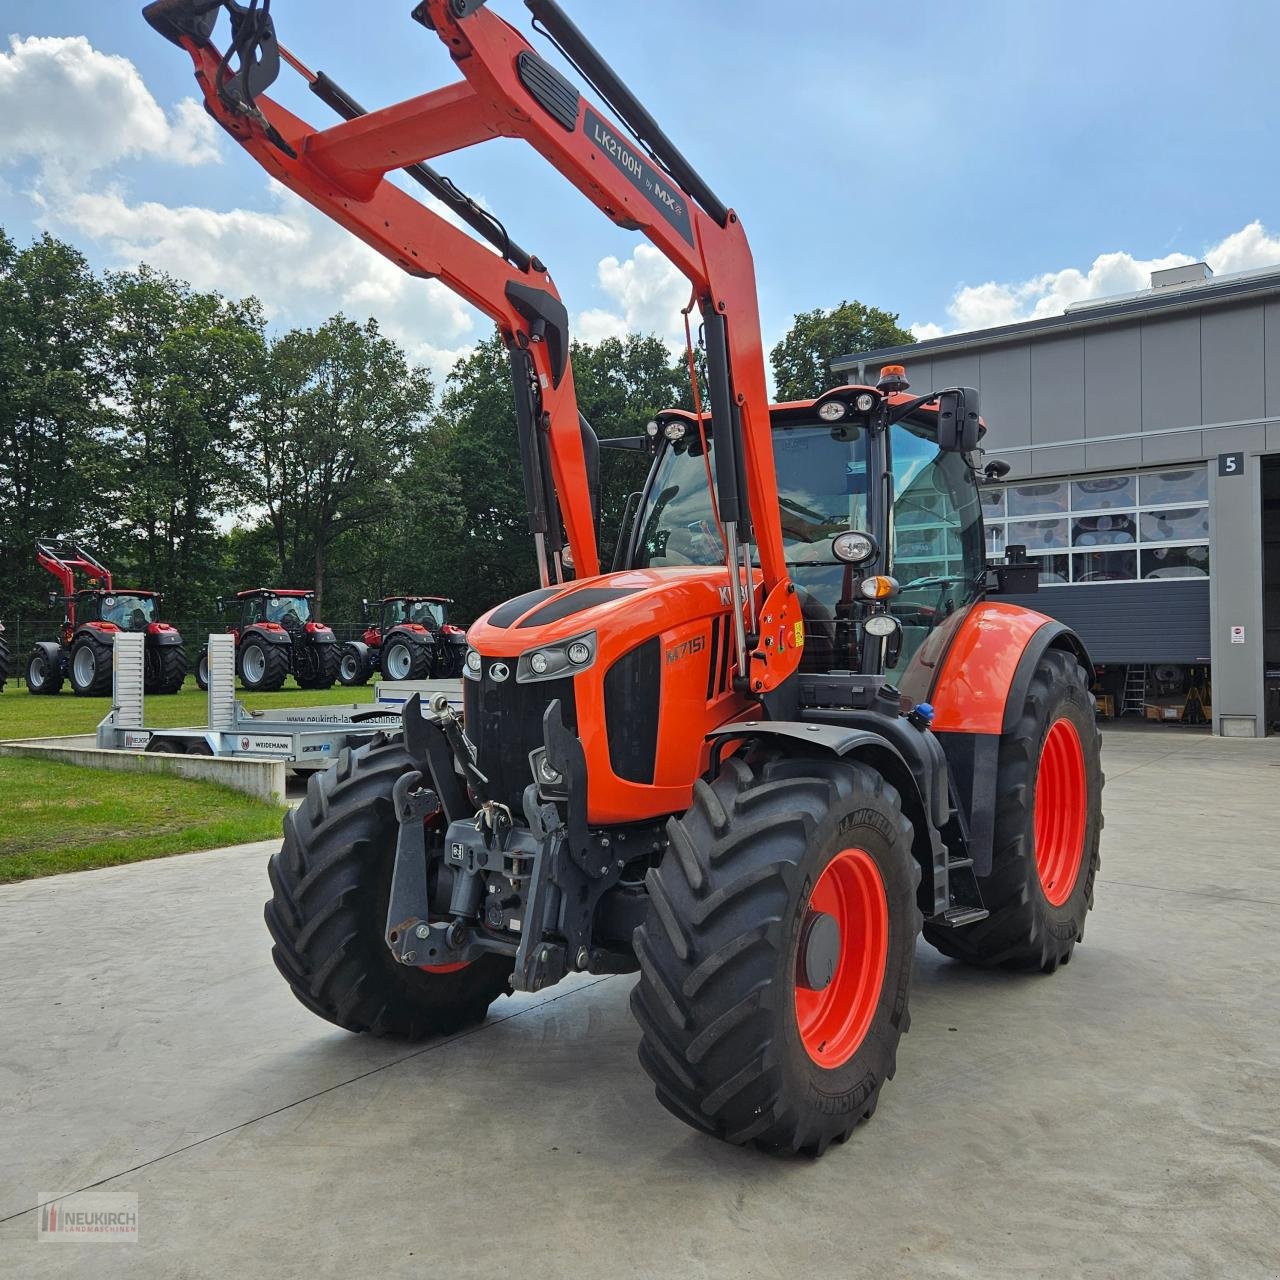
{"x": 199, "y": 453}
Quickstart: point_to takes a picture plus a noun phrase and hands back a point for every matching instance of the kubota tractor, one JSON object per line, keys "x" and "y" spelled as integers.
{"x": 412, "y": 639}
{"x": 92, "y": 616}
{"x": 276, "y": 636}
{"x": 789, "y": 727}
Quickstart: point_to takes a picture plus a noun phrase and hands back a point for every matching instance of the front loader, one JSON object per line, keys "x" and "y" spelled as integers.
{"x": 787, "y": 730}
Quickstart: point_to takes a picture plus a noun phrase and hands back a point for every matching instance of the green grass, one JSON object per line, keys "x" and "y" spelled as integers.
{"x": 23, "y": 715}
{"x": 62, "y": 817}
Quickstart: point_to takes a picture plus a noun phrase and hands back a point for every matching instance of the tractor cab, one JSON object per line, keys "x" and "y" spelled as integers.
{"x": 424, "y": 611}
{"x": 126, "y": 610}
{"x": 921, "y": 545}
{"x": 288, "y": 609}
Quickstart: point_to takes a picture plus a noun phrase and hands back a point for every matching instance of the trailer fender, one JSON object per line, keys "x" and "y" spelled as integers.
{"x": 922, "y": 788}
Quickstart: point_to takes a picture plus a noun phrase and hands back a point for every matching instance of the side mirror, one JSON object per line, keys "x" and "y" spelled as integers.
{"x": 996, "y": 469}
{"x": 364, "y": 610}
{"x": 54, "y": 599}
{"x": 220, "y": 604}
{"x": 958, "y": 420}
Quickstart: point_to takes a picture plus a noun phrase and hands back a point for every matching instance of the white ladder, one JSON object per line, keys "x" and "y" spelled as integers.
{"x": 1135, "y": 690}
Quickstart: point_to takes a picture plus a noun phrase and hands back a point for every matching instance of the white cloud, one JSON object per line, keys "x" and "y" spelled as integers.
{"x": 647, "y": 293}
{"x": 299, "y": 263}
{"x": 985, "y": 305}
{"x": 67, "y": 105}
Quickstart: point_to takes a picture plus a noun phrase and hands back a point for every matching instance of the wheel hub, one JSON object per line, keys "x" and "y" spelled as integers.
{"x": 819, "y": 951}
{"x": 1061, "y": 809}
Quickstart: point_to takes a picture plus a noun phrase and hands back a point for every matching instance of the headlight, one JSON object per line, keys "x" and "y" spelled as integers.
{"x": 865, "y": 402}
{"x": 472, "y": 664}
{"x": 552, "y": 660}
{"x": 833, "y": 410}
{"x": 651, "y": 429}
{"x": 674, "y": 431}
{"x": 881, "y": 625}
{"x": 853, "y": 547}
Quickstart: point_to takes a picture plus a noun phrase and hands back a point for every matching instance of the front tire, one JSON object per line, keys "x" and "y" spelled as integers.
{"x": 44, "y": 673}
{"x": 776, "y": 958}
{"x": 263, "y": 666}
{"x": 90, "y": 668}
{"x": 1048, "y": 825}
{"x": 330, "y": 888}
{"x": 167, "y": 668}
{"x": 401, "y": 659}
{"x": 353, "y": 670}
{"x": 202, "y": 670}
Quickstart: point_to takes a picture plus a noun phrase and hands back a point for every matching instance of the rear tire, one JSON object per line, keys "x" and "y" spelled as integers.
{"x": 90, "y": 668}
{"x": 263, "y": 666}
{"x": 167, "y": 668}
{"x": 1040, "y": 890}
{"x": 353, "y": 670}
{"x": 331, "y": 884}
{"x": 401, "y": 659}
{"x": 202, "y": 669}
{"x": 44, "y": 675}
{"x": 734, "y": 1043}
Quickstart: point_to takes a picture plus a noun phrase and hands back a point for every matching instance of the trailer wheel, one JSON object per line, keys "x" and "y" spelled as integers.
{"x": 776, "y": 957}
{"x": 330, "y": 888}
{"x": 202, "y": 669}
{"x": 90, "y": 668}
{"x": 1047, "y": 828}
{"x": 353, "y": 670}
{"x": 401, "y": 659}
{"x": 44, "y": 671}
{"x": 167, "y": 668}
{"x": 263, "y": 666}
{"x": 323, "y": 664}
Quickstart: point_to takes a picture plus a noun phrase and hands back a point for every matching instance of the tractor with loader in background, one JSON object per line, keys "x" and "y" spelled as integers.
{"x": 92, "y": 615}
{"x": 276, "y": 636}
{"x": 412, "y": 639}
{"x": 787, "y": 731}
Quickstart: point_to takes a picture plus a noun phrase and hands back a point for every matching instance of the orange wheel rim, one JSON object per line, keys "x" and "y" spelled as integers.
{"x": 1061, "y": 809}
{"x": 834, "y": 1021}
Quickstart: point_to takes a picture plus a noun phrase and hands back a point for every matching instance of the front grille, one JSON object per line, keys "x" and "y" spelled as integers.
{"x": 632, "y": 693}
{"x": 504, "y": 721}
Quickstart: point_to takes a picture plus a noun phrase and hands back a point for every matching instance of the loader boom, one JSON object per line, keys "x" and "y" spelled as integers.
{"x": 634, "y": 175}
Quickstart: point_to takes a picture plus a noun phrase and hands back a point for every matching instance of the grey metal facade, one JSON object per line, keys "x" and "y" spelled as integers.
{"x": 1177, "y": 375}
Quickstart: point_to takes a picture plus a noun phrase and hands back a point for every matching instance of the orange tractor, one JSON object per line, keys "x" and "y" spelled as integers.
{"x": 789, "y": 730}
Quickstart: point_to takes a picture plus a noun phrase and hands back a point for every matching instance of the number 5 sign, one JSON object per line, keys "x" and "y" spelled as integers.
{"x": 1231, "y": 464}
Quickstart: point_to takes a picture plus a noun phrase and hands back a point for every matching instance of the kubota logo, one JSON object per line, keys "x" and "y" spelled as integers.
{"x": 499, "y": 672}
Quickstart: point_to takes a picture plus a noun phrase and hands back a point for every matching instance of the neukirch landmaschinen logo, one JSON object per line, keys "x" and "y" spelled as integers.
{"x": 89, "y": 1217}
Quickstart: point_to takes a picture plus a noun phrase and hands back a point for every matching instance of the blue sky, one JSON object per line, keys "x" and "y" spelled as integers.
{"x": 961, "y": 164}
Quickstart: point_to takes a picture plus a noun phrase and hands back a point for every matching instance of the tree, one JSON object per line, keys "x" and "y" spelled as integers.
{"x": 336, "y": 414}
{"x": 621, "y": 384}
{"x": 802, "y": 360}
{"x": 53, "y": 325}
{"x": 181, "y": 367}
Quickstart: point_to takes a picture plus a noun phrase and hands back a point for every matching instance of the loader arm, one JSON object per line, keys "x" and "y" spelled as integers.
{"x": 634, "y": 175}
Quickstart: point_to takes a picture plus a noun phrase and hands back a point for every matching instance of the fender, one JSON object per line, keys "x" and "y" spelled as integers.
{"x": 53, "y": 653}
{"x": 318, "y": 633}
{"x": 985, "y": 675}
{"x": 162, "y": 634}
{"x": 272, "y": 634}
{"x": 362, "y": 650}
{"x": 98, "y": 632}
{"x": 410, "y": 633}
{"x": 912, "y": 762}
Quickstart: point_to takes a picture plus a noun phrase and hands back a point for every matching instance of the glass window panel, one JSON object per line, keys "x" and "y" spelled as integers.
{"x": 1175, "y": 562}
{"x": 992, "y": 496}
{"x": 1055, "y": 570}
{"x": 1037, "y": 499}
{"x": 1191, "y": 484}
{"x": 1104, "y": 566}
{"x": 1038, "y": 535}
{"x": 1104, "y": 531}
{"x": 1104, "y": 493}
{"x": 995, "y": 541}
{"x": 1175, "y": 525}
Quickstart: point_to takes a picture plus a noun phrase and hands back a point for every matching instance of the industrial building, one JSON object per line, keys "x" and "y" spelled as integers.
{"x": 1143, "y": 436}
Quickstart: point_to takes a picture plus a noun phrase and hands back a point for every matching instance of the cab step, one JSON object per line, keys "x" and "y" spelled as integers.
{"x": 958, "y": 917}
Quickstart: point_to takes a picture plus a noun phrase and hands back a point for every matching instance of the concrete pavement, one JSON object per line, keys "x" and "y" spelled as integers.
{"x": 1121, "y": 1118}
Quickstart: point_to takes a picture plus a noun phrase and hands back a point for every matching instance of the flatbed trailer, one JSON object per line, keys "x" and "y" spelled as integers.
{"x": 306, "y": 738}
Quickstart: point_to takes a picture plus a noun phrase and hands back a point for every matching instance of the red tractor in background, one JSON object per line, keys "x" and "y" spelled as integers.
{"x": 93, "y": 616}
{"x": 276, "y": 636}
{"x": 412, "y": 639}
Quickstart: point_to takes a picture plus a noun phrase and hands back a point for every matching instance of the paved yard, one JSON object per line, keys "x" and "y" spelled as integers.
{"x": 1121, "y": 1118}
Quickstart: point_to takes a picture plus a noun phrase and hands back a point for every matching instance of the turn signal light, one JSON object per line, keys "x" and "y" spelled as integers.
{"x": 879, "y": 587}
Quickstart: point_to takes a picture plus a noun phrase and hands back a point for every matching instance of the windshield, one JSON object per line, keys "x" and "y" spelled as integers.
{"x": 822, "y": 490}
{"x": 129, "y": 612}
{"x": 288, "y": 610}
